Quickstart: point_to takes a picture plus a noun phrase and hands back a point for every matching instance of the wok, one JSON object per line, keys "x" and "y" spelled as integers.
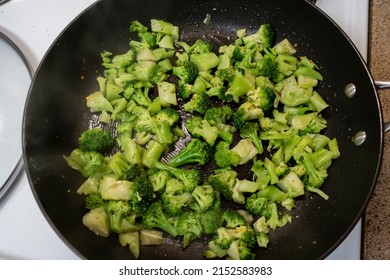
{"x": 56, "y": 114}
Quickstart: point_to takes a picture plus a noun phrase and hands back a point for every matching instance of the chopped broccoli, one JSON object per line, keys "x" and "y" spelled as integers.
{"x": 156, "y": 218}
{"x": 158, "y": 178}
{"x": 205, "y": 61}
{"x": 232, "y": 219}
{"x": 196, "y": 151}
{"x": 257, "y": 204}
{"x": 167, "y": 94}
{"x": 217, "y": 115}
{"x": 199, "y": 102}
{"x": 141, "y": 194}
{"x": 175, "y": 197}
{"x": 93, "y": 200}
{"x": 171, "y": 116}
{"x": 239, "y": 87}
{"x": 186, "y": 72}
{"x": 224, "y": 157}
{"x": 87, "y": 163}
{"x": 191, "y": 178}
{"x": 117, "y": 210}
{"x": 204, "y": 198}
{"x": 262, "y": 97}
{"x": 199, "y": 127}
{"x": 264, "y": 36}
{"x": 246, "y": 112}
{"x": 224, "y": 182}
{"x": 189, "y": 226}
{"x": 200, "y": 46}
{"x": 185, "y": 90}
{"x": 250, "y": 130}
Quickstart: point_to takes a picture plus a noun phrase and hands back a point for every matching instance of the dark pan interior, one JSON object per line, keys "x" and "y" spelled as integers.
{"x": 56, "y": 114}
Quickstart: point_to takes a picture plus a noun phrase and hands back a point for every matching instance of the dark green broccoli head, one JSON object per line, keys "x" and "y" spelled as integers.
{"x": 189, "y": 226}
{"x": 148, "y": 38}
{"x": 211, "y": 220}
{"x": 132, "y": 172}
{"x": 267, "y": 67}
{"x": 96, "y": 139}
{"x": 216, "y": 115}
{"x": 224, "y": 157}
{"x": 224, "y": 182}
{"x": 199, "y": 102}
{"x": 196, "y": 151}
{"x": 199, "y": 127}
{"x": 186, "y": 72}
{"x": 93, "y": 200}
{"x": 141, "y": 194}
{"x": 156, "y": 218}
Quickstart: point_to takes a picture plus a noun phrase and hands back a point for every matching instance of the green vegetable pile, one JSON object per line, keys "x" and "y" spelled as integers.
{"x": 187, "y": 119}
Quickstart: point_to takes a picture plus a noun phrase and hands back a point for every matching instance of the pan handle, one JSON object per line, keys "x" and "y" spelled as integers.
{"x": 384, "y": 85}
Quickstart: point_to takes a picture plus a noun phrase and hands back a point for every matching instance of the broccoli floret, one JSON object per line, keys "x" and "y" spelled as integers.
{"x": 117, "y": 210}
{"x": 211, "y": 220}
{"x": 257, "y": 204}
{"x": 132, "y": 171}
{"x": 124, "y": 60}
{"x": 173, "y": 200}
{"x": 141, "y": 194}
{"x": 200, "y": 46}
{"x": 224, "y": 181}
{"x": 156, "y": 218}
{"x": 262, "y": 97}
{"x": 199, "y": 127}
{"x": 274, "y": 220}
{"x": 137, "y": 26}
{"x": 267, "y": 67}
{"x": 227, "y": 75}
{"x": 264, "y": 36}
{"x": 317, "y": 125}
{"x": 167, "y": 28}
{"x": 246, "y": 150}
{"x": 158, "y": 74}
{"x": 169, "y": 115}
{"x": 87, "y": 163}
{"x": 232, "y": 219}
{"x": 287, "y": 64}
{"x": 141, "y": 97}
{"x": 185, "y": 90}
{"x": 186, "y": 72}
{"x": 93, "y": 200}
{"x": 158, "y": 178}
{"x": 189, "y": 226}
{"x": 250, "y": 130}
{"x": 196, "y": 151}
{"x": 246, "y": 112}
{"x": 190, "y": 177}
{"x": 199, "y": 102}
{"x": 218, "y": 115}
{"x": 204, "y": 198}
{"x": 224, "y": 157}
{"x": 314, "y": 178}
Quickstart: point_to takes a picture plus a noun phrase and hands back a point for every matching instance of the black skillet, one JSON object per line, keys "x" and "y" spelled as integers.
{"x": 56, "y": 114}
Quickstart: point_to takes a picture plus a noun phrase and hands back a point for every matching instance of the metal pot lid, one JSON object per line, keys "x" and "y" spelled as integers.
{"x": 15, "y": 79}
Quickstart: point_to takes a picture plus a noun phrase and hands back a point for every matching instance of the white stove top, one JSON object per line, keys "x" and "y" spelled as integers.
{"x": 33, "y": 26}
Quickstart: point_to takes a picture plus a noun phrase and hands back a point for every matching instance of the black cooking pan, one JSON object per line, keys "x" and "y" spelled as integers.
{"x": 56, "y": 114}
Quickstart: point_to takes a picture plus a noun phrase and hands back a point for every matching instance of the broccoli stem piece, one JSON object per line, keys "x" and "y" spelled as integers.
{"x": 205, "y": 61}
{"x": 152, "y": 154}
